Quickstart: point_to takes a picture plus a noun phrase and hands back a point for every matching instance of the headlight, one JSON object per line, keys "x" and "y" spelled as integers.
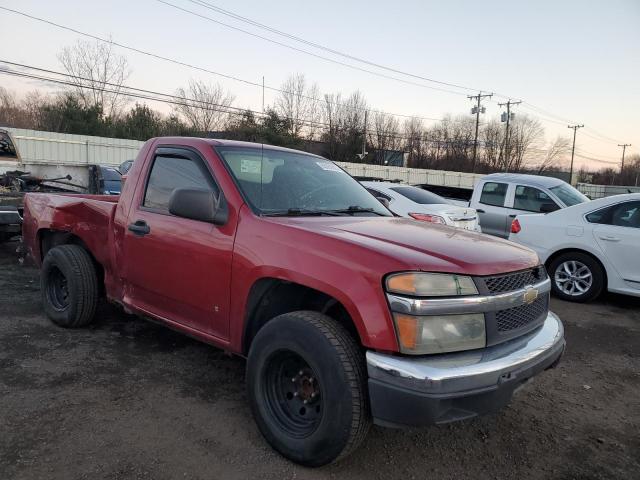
{"x": 440, "y": 333}
{"x": 431, "y": 284}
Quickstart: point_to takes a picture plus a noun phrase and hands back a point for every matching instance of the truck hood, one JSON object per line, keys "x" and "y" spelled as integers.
{"x": 420, "y": 245}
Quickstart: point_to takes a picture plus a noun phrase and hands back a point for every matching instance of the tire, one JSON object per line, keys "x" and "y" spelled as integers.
{"x": 589, "y": 280}
{"x": 308, "y": 356}
{"x": 69, "y": 286}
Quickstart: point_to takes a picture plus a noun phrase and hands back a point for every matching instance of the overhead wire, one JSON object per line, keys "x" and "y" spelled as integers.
{"x": 207, "y": 70}
{"x": 550, "y": 117}
{"x": 241, "y": 18}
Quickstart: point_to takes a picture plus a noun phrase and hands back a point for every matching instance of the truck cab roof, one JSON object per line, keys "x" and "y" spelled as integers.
{"x": 533, "y": 180}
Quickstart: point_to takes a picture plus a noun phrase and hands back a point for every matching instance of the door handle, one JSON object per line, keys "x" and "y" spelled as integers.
{"x": 512, "y": 216}
{"x": 610, "y": 238}
{"x": 479, "y": 210}
{"x": 139, "y": 227}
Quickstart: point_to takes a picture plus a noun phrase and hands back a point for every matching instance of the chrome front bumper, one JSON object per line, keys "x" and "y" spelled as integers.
{"x": 453, "y": 386}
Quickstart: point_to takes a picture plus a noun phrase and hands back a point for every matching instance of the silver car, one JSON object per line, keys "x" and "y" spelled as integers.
{"x": 499, "y": 197}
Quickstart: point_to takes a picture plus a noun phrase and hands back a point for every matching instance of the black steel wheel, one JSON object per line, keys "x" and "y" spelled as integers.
{"x": 57, "y": 289}
{"x": 306, "y": 384}
{"x": 69, "y": 286}
{"x": 292, "y": 391}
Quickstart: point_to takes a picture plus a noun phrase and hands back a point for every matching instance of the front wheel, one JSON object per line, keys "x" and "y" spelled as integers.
{"x": 307, "y": 389}
{"x": 576, "y": 277}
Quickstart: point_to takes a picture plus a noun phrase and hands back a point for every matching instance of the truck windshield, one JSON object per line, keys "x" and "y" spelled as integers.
{"x": 289, "y": 183}
{"x": 569, "y": 195}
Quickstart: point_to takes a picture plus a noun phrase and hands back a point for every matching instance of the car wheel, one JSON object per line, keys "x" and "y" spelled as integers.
{"x": 306, "y": 383}
{"x": 69, "y": 286}
{"x": 576, "y": 277}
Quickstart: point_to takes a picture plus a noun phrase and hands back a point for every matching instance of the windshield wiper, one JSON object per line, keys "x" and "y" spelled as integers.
{"x": 357, "y": 209}
{"x": 302, "y": 212}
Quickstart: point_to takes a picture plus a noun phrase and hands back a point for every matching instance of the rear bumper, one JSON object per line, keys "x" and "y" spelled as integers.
{"x": 420, "y": 391}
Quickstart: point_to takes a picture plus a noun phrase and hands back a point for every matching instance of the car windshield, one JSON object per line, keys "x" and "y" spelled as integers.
{"x": 569, "y": 195}
{"x": 279, "y": 182}
{"x": 419, "y": 195}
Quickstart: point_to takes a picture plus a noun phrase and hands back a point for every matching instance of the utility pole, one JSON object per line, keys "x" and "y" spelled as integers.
{"x": 364, "y": 137}
{"x": 263, "y": 94}
{"x": 477, "y": 110}
{"x": 624, "y": 147}
{"x": 573, "y": 149}
{"x": 506, "y": 133}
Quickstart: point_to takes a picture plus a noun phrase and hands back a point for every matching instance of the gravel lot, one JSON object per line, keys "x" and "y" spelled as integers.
{"x": 130, "y": 399}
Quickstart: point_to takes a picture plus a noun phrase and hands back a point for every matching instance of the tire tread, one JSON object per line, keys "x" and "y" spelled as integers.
{"x": 350, "y": 354}
{"x": 83, "y": 269}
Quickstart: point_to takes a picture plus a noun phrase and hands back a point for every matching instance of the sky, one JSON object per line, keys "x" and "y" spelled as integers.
{"x": 576, "y": 61}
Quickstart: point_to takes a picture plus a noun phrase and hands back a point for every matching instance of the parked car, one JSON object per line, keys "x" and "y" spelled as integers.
{"x": 344, "y": 312}
{"x": 408, "y": 201}
{"x": 499, "y": 197}
{"x": 587, "y": 248}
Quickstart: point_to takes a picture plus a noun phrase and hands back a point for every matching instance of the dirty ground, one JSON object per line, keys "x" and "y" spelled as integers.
{"x": 130, "y": 399}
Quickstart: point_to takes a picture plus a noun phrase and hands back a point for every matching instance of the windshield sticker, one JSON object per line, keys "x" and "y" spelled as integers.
{"x": 249, "y": 166}
{"x": 329, "y": 166}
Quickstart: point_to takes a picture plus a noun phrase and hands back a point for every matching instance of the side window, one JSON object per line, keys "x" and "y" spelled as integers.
{"x": 494, "y": 193}
{"x": 622, "y": 215}
{"x": 169, "y": 173}
{"x": 377, "y": 194}
{"x": 531, "y": 199}
{"x": 601, "y": 216}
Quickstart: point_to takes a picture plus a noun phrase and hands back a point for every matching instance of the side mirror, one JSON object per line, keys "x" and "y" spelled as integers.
{"x": 198, "y": 205}
{"x": 383, "y": 201}
{"x": 548, "y": 207}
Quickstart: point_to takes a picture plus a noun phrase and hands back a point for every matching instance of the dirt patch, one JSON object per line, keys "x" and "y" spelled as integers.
{"x": 131, "y": 399}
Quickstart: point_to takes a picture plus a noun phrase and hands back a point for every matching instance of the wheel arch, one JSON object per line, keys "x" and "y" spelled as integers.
{"x": 269, "y": 297}
{"x": 49, "y": 238}
{"x": 562, "y": 251}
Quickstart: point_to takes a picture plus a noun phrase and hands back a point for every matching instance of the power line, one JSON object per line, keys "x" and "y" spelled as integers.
{"x": 241, "y": 18}
{"x": 338, "y": 62}
{"x": 202, "y": 69}
{"x": 169, "y": 98}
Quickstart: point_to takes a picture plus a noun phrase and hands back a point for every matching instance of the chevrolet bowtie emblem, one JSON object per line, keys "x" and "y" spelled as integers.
{"x": 530, "y": 295}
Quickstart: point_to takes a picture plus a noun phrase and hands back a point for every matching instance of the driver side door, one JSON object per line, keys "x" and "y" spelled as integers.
{"x": 177, "y": 269}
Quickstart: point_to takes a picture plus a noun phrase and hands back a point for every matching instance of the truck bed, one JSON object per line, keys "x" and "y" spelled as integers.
{"x": 88, "y": 217}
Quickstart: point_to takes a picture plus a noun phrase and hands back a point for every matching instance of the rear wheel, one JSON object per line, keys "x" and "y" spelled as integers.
{"x": 69, "y": 286}
{"x": 307, "y": 388}
{"x": 576, "y": 277}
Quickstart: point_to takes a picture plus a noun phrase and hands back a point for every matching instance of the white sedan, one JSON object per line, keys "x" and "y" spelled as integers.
{"x": 588, "y": 247}
{"x": 407, "y": 201}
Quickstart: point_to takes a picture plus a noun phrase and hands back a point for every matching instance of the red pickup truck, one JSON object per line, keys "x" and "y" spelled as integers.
{"x": 345, "y": 313}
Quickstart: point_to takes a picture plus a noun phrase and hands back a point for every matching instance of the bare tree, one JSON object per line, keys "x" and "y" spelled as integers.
{"x": 553, "y": 155}
{"x": 493, "y": 138}
{"x": 414, "y": 144}
{"x": 385, "y": 135}
{"x": 98, "y": 74}
{"x": 204, "y": 106}
{"x": 526, "y": 133}
{"x": 299, "y": 103}
{"x": 346, "y": 121}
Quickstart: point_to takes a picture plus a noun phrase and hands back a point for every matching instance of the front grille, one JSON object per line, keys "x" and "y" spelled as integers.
{"x": 516, "y": 280}
{"x": 518, "y": 317}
